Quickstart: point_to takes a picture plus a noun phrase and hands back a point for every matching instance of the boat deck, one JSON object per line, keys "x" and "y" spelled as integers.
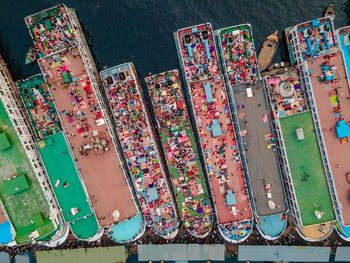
{"x": 262, "y": 161}
{"x": 135, "y": 134}
{"x": 304, "y": 157}
{"x": 20, "y": 192}
{"x": 217, "y": 138}
{"x": 239, "y": 54}
{"x": 51, "y": 30}
{"x": 52, "y": 146}
{"x": 333, "y": 106}
{"x": 344, "y": 39}
{"x": 180, "y": 151}
{"x": 88, "y": 136}
{"x": 315, "y": 38}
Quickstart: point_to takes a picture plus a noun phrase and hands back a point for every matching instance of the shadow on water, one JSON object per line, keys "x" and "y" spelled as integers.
{"x": 7, "y": 55}
{"x": 89, "y": 40}
{"x": 346, "y": 8}
{"x": 284, "y": 48}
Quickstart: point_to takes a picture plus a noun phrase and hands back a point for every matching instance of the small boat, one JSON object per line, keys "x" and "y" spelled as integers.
{"x": 32, "y": 55}
{"x": 278, "y": 65}
{"x": 267, "y": 51}
{"x": 330, "y": 11}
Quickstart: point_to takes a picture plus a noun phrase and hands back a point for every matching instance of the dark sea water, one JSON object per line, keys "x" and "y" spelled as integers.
{"x": 142, "y": 31}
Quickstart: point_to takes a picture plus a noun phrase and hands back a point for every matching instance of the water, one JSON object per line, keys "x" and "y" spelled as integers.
{"x": 141, "y": 31}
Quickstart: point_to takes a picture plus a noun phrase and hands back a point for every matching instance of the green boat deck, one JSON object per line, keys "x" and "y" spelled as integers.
{"x": 53, "y": 146}
{"x": 27, "y": 209}
{"x": 69, "y": 191}
{"x": 306, "y": 168}
{"x": 175, "y": 174}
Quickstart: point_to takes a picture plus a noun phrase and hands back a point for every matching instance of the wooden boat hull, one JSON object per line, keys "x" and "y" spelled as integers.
{"x": 267, "y": 51}
{"x": 329, "y": 11}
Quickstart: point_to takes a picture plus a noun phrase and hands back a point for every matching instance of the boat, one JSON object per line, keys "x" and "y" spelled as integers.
{"x": 278, "y": 66}
{"x": 311, "y": 208}
{"x": 32, "y": 55}
{"x": 267, "y": 51}
{"x": 330, "y": 11}
{"x": 140, "y": 148}
{"x": 70, "y": 75}
{"x": 180, "y": 151}
{"x": 52, "y": 144}
{"x": 238, "y": 54}
{"x": 28, "y": 211}
{"x": 208, "y": 101}
{"x": 255, "y": 135}
{"x": 310, "y": 39}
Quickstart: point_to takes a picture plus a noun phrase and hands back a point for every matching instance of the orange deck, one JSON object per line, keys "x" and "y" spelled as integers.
{"x": 338, "y": 153}
{"x": 101, "y": 170}
{"x": 232, "y": 161}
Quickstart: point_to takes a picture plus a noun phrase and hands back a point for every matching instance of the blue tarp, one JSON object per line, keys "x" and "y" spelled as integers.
{"x": 216, "y": 128}
{"x": 309, "y": 46}
{"x": 230, "y": 198}
{"x": 326, "y": 41}
{"x": 207, "y": 51}
{"x": 208, "y": 92}
{"x": 189, "y": 49}
{"x": 141, "y": 160}
{"x": 342, "y": 129}
{"x": 284, "y": 253}
{"x": 152, "y": 194}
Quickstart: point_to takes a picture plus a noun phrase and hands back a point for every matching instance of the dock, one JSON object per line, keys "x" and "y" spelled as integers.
{"x": 180, "y": 151}
{"x": 140, "y": 150}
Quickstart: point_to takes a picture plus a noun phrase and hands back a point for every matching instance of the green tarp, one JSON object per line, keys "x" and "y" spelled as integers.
{"x": 16, "y": 185}
{"x": 66, "y": 77}
{"x": 38, "y": 220}
{"x": 4, "y": 142}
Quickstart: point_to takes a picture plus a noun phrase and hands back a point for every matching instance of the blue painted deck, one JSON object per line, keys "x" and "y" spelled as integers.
{"x": 273, "y": 225}
{"x": 344, "y": 231}
{"x": 127, "y": 230}
{"x": 346, "y": 51}
{"x": 236, "y": 233}
{"x": 5, "y": 233}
